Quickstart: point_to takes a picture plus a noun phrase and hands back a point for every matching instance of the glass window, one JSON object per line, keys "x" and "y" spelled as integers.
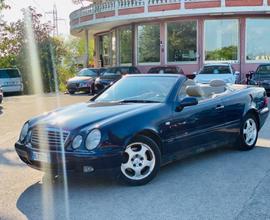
{"x": 105, "y": 49}
{"x": 114, "y": 62}
{"x": 149, "y": 43}
{"x": 125, "y": 36}
{"x": 182, "y": 41}
{"x": 88, "y": 72}
{"x": 9, "y": 73}
{"x": 216, "y": 70}
{"x": 139, "y": 89}
{"x": 258, "y": 32}
{"x": 221, "y": 40}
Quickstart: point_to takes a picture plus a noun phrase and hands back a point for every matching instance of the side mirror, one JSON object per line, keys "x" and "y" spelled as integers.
{"x": 188, "y": 101}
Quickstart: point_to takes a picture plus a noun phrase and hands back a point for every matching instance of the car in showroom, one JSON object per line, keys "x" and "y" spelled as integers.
{"x": 84, "y": 81}
{"x": 142, "y": 122}
{"x": 11, "y": 80}
{"x": 223, "y": 71}
{"x": 261, "y": 77}
{"x": 166, "y": 70}
{"x": 1, "y": 95}
{"x": 113, "y": 74}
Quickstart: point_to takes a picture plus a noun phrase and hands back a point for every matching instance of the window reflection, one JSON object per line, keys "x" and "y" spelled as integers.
{"x": 182, "y": 41}
{"x": 148, "y": 43}
{"x": 221, "y": 40}
{"x": 125, "y": 35}
{"x": 258, "y": 32}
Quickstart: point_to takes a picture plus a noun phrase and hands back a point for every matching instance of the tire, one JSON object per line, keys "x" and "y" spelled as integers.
{"x": 249, "y": 127}
{"x": 141, "y": 161}
{"x": 71, "y": 92}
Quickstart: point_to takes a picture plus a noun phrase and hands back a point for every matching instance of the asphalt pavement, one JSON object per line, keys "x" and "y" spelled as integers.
{"x": 221, "y": 184}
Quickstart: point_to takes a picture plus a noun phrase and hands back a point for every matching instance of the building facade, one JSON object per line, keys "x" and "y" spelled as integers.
{"x": 187, "y": 33}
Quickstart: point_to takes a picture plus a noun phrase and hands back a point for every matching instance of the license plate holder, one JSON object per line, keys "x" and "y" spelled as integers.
{"x": 41, "y": 157}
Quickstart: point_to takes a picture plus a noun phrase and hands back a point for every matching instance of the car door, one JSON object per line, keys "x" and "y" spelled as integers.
{"x": 234, "y": 107}
{"x": 198, "y": 126}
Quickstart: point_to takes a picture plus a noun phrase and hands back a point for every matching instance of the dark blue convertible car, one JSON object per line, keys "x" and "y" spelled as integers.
{"x": 141, "y": 123}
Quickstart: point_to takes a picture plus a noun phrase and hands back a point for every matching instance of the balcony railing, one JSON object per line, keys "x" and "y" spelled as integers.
{"x": 115, "y": 6}
{"x": 125, "y": 4}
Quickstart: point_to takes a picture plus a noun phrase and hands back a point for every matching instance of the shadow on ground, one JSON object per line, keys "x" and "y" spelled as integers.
{"x": 1, "y": 110}
{"x": 212, "y": 185}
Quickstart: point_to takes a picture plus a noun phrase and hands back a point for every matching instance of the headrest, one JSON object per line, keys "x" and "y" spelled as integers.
{"x": 217, "y": 83}
{"x": 194, "y": 91}
{"x": 190, "y": 82}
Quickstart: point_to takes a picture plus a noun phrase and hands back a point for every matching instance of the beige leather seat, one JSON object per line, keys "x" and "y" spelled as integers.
{"x": 195, "y": 91}
{"x": 216, "y": 86}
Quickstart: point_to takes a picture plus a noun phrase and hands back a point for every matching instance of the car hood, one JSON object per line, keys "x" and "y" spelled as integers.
{"x": 79, "y": 79}
{"x": 84, "y": 114}
{"x": 207, "y": 78}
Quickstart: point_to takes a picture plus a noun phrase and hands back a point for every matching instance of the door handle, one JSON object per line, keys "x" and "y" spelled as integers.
{"x": 219, "y": 107}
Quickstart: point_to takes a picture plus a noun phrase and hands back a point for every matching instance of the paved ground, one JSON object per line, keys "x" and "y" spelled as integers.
{"x": 222, "y": 184}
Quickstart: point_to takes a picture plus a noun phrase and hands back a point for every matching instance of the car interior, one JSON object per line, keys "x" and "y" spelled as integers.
{"x": 214, "y": 89}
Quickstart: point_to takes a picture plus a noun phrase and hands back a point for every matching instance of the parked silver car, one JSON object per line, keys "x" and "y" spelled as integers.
{"x": 11, "y": 80}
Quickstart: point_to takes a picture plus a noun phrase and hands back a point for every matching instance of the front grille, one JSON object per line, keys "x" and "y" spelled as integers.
{"x": 48, "y": 138}
{"x": 73, "y": 85}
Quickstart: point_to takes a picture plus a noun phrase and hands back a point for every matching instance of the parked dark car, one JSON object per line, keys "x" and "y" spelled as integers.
{"x": 142, "y": 122}
{"x": 113, "y": 74}
{"x": 84, "y": 81}
{"x": 1, "y": 95}
{"x": 223, "y": 71}
{"x": 166, "y": 70}
{"x": 261, "y": 77}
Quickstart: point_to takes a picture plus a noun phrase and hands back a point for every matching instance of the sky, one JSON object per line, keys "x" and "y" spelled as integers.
{"x": 64, "y": 8}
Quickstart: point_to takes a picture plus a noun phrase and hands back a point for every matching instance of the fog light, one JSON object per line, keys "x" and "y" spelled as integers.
{"x": 88, "y": 169}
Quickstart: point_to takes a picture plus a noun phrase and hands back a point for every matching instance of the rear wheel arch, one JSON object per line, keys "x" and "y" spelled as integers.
{"x": 256, "y": 114}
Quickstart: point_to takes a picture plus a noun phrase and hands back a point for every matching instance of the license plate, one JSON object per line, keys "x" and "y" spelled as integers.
{"x": 41, "y": 157}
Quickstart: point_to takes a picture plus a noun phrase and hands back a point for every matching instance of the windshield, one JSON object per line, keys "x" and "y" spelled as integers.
{"x": 216, "y": 70}
{"x": 147, "y": 89}
{"x": 9, "y": 73}
{"x": 87, "y": 72}
{"x": 263, "y": 70}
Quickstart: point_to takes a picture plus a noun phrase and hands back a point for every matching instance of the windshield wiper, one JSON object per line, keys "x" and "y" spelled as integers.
{"x": 136, "y": 101}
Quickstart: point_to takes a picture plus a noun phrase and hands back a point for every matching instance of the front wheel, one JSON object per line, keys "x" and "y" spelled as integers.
{"x": 141, "y": 161}
{"x": 249, "y": 133}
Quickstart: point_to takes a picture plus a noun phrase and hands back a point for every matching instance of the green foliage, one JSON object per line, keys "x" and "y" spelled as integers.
{"x": 149, "y": 43}
{"x": 182, "y": 38}
{"x": 125, "y": 45}
{"x": 55, "y": 54}
{"x": 225, "y": 53}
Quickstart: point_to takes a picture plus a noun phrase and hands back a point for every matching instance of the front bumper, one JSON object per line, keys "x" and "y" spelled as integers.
{"x": 74, "y": 162}
{"x": 16, "y": 88}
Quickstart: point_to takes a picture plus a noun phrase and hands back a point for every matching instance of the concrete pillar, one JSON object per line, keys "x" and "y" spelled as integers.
{"x": 242, "y": 41}
{"x": 223, "y": 3}
{"x": 201, "y": 42}
{"x": 86, "y": 49}
{"x": 162, "y": 43}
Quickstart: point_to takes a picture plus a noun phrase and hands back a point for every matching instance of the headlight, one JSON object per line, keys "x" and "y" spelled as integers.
{"x": 77, "y": 141}
{"x": 24, "y": 131}
{"x": 93, "y": 139}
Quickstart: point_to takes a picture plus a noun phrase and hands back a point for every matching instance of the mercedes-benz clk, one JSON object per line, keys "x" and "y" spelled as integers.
{"x": 141, "y": 123}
